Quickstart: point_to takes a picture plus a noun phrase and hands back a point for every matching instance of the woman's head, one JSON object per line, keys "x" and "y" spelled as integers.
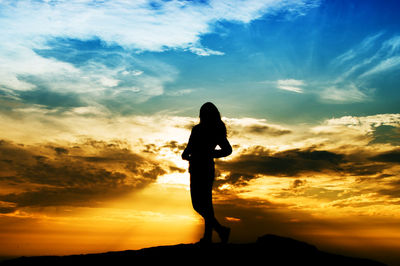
{"x": 210, "y": 116}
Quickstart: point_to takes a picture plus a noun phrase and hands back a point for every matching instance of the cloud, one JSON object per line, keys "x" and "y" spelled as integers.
{"x": 384, "y": 65}
{"x": 90, "y": 47}
{"x": 258, "y": 160}
{"x": 172, "y": 145}
{"x": 248, "y": 127}
{"x": 375, "y": 133}
{"x": 50, "y": 99}
{"x": 331, "y": 92}
{"x": 341, "y": 147}
{"x": 366, "y": 61}
{"x": 109, "y": 82}
{"x": 135, "y": 24}
{"x": 204, "y": 51}
{"x": 18, "y": 61}
{"x": 390, "y": 156}
{"x": 353, "y": 70}
{"x": 347, "y": 94}
{"x": 80, "y": 174}
{"x": 363, "y": 47}
{"x": 364, "y": 124}
{"x": 291, "y": 85}
{"x": 386, "y": 134}
{"x": 179, "y": 92}
{"x": 104, "y": 75}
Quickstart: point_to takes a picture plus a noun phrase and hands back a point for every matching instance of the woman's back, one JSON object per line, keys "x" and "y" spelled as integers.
{"x": 204, "y": 142}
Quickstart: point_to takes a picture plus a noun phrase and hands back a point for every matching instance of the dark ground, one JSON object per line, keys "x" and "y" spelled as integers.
{"x": 267, "y": 250}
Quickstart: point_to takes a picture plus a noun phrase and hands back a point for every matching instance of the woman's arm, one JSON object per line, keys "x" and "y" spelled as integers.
{"x": 187, "y": 152}
{"x": 225, "y": 150}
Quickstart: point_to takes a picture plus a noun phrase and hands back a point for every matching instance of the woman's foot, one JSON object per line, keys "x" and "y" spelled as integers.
{"x": 224, "y": 233}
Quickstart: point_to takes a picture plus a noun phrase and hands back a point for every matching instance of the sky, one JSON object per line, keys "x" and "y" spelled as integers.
{"x": 97, "y": 100}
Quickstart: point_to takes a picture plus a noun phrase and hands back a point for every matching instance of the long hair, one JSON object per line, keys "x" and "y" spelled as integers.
{"x": 210, "y": 118}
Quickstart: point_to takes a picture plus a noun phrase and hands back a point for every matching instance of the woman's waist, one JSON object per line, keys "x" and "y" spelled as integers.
{"x": 201, "y": 159}
{"x": 202, "y": 166}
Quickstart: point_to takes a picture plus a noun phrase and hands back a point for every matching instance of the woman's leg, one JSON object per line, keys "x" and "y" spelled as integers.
{"x": 201, "y": 194}
{"x": 201, "y": 204}
{"x": 201, "y": 183}
{"x": 210, "y": 221}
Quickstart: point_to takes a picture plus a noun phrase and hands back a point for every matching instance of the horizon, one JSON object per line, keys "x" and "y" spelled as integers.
{"x": 97, "y": 100}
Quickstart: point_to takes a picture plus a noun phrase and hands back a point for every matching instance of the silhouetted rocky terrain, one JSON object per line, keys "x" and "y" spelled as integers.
{"x": 267, "y": 250}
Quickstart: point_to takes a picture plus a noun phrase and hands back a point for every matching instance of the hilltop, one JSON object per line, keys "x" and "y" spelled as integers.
{"x": 268, "y": 250}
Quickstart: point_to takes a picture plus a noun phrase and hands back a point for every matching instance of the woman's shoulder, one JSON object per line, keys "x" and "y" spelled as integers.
{"x": 196, "y": 128}
{"x": 195, "y": 131}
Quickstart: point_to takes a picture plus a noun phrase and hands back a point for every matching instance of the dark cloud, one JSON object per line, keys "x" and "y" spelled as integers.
{"x": 391, "y": 187}
{"x": 173, "y": 145}
{"x": 381, "y": 178}
{"x": 298, "y": 183}
{"x": 7, "y": 209}
{"x": 393, "y": 192}
{"x": 257, "y": 129}
{"x": 262, "y": 129}
{"x": 60, "y": 150}
{"x": 390, "y": 156}
{"x": 260, "y": 161}
{"x": 151, "y": 148}
{"x": 299, "y": 162}
{"x": 81, "y": 174}
{"x": 386, "y": 134}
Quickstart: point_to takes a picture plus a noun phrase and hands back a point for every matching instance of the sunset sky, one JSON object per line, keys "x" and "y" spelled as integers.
{"x": 98, "y": 97}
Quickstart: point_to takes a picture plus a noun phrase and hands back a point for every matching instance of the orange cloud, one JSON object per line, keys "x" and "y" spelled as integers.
{"x": 80, "y": 174}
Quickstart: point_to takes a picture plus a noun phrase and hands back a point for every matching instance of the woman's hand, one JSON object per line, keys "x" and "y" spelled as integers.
{"x": 226, "y": 149}
{"x": 186, "y": 155}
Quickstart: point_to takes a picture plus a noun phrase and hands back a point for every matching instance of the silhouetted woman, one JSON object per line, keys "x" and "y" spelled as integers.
{"x": 200, "y": 152}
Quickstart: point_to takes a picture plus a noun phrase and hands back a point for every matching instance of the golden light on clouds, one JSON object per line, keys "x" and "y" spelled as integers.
{"x": 83, "y": 183}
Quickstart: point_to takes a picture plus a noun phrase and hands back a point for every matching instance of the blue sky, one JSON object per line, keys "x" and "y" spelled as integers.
{"x": 288, "y": 61}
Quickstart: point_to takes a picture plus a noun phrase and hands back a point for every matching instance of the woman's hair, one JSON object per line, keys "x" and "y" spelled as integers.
{"x": 211, "y": 118}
